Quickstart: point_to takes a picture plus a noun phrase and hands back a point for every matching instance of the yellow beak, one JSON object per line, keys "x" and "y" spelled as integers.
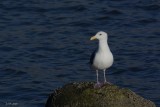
{"x": 93, "y": 38}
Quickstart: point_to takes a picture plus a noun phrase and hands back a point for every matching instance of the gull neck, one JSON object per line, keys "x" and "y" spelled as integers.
{"x": 103, "y": 45}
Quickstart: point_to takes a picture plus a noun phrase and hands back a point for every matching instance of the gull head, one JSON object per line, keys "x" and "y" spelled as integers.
{"x": 100, "y": 36}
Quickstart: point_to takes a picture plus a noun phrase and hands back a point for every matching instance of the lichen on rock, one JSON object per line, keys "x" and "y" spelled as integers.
{"x": 84, "y": 94}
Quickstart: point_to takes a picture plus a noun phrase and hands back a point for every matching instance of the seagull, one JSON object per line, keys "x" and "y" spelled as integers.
{"x": 101, "y": 58}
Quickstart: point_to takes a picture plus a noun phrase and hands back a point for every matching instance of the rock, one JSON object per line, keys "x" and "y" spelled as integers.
{"x": 84, "y": 95}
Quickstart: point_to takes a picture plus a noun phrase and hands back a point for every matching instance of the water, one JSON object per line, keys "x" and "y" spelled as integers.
{"x": 45, "y": 44}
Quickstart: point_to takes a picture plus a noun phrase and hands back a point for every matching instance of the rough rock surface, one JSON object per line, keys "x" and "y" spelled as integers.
{"x": 85, "y": 95}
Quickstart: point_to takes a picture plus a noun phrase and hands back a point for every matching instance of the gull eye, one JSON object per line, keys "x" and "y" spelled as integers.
{"x": 100, "y": 34}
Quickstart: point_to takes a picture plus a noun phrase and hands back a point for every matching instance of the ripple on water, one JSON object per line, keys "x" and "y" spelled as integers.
{"x": 7, "y": 49}
{"x": 150, "y": 7}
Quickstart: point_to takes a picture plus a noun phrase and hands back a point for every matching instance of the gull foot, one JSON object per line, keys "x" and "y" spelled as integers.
{"x": 106, "y": 82}
{"x": 98, "y": 85}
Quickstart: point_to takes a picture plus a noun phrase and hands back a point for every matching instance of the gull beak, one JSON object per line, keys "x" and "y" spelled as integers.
{"x": 93, "y": 38}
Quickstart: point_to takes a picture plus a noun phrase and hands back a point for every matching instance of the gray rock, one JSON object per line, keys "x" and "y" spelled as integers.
{"x": 85, "y": 95}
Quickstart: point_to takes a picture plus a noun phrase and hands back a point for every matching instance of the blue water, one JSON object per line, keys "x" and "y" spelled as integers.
{"x": 44, "y": 44}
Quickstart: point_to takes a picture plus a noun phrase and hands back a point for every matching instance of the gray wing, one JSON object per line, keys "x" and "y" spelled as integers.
{"x": 92, "y": 57}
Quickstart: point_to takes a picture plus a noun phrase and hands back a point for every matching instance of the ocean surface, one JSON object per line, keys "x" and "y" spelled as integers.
{"x": 45, "y": 44}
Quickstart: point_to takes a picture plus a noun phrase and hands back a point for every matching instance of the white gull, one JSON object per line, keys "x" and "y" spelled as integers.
{"x": 102, "y": 58}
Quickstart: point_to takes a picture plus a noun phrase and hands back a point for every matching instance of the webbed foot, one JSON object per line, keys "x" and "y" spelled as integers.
{"x": 98, "y": 85}
{"x": 106, "y": 82}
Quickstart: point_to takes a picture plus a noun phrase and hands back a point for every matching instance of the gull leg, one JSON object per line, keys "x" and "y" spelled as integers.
{"x": 97, "y": 76}
{"x": 98, "y": 84}
{"x": 104, "y": 76}
{"x": 105, "y": 81}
